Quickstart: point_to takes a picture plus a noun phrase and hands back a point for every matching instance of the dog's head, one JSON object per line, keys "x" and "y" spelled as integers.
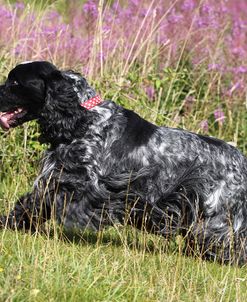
{"x": 33, "y": 87}
{"x": 24, "y": 92}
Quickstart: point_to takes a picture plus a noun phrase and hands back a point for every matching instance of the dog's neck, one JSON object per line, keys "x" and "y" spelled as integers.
{"x": 92, "y": 102}
{"x": 68, "y": 115}
{"x": 83, "y": 91}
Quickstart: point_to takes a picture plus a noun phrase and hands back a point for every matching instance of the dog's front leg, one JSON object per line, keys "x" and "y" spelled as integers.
{"x": 29, "y": 212}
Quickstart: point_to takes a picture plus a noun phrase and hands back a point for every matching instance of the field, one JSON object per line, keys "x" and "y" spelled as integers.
{"x": 177, "y": 63}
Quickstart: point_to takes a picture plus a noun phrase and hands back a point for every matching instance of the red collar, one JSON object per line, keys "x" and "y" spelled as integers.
{"x": 89, "y": 104}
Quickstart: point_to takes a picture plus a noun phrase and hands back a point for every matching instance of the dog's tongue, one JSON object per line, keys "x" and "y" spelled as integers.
{"x": 4, "y": 117}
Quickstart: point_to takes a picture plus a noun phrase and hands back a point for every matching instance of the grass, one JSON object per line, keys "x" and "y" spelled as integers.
{"x": 118, "y": 264}
{"x": 110, "y": 267}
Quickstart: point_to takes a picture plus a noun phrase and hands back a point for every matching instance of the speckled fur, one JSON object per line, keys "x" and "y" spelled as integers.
{"x": 109, "y": 165}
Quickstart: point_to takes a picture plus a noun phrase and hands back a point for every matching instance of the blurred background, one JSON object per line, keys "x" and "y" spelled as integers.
{"x": 182, "y": 63}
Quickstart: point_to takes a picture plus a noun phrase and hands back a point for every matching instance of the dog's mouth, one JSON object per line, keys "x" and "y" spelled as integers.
{"x": 10, "y": 118}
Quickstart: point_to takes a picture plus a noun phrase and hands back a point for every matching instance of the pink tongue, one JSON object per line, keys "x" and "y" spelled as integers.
{"x": 4, "y": 121}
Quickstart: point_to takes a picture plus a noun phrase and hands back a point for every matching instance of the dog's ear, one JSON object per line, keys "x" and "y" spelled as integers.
{"x": 58, "y": 90}
{"x": 52, "y": 81}
{"x": 53, "y": 75}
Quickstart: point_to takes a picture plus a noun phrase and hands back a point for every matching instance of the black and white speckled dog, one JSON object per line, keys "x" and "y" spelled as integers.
{"x": 105, "y": 164}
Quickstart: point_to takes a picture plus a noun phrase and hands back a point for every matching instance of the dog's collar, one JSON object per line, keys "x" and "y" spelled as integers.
{"x": 89, "y": 104}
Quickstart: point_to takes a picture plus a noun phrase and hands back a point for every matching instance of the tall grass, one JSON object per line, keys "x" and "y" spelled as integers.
{"x": 177, "y": 63}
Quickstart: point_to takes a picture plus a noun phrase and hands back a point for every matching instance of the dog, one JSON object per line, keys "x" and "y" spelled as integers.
{"x": 107, "y": 165}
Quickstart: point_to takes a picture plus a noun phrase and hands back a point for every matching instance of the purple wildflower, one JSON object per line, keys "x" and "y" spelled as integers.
{"x": 135, "y": 2}
{"x": 238, "y": 51}
{"x": 4, "y": 13}
{"x": 188, "y": 5}
{"x": 150, "y": 92}
{"x": 175, "y": 17}
{"x": 90, "y": 8}
{"x": 53, "y": 14}
{"x": 207, "y": 8}
{"x": 20, "y": 5}
{"x": 216, "y": 67}
{"x": 219, "y": 116}
{"x": 239, "y": 85}
{"x": 204, "y": 125}
{"x": 124, "y": 35}
{"x": 240, "y": 69}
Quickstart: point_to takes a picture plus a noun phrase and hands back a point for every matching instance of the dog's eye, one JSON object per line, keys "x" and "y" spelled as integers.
{"x": 15, "y": 83}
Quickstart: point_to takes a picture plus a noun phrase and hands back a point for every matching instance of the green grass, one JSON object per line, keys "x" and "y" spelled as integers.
{"x": 109, "y": 267}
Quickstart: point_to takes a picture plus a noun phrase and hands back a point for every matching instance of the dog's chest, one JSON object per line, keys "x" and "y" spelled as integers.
{"x": 81, "y": 159}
